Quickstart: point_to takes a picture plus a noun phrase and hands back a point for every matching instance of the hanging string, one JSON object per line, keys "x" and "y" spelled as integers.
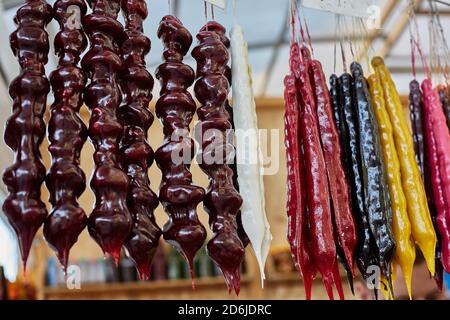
{"x": 355, "y": 32}
{"x": 437, "y": 62}
{"x": 212, "y": 12}
{"x": 366, "y": 38}
{"x": 206, "y": 14}
{"x": 365, "y": 35}
{"x": 435, "y": 44}
{"x": 341, "y": 40}
{"x": 432, "y": 49}
{"x": 416, "y": 43}
{"x": 422, "y": 57}
{"x": 300, "y": 23}
{"x": 308, "y": 34}
{"x": 335, "y": 45}
{"x": 411, "y": 38}
{"x": 413, "y": 51}
{"x": 292, "y": 19}
{"x": 348, "y": 37}
{"x": 293, "y": 36}
{"x": 444, "y": 45}
{"x": 344, "y": 62}
{"x": 170, "y": 5}
{"x": 441, "y": 52}
{"x": 296, "y": 18}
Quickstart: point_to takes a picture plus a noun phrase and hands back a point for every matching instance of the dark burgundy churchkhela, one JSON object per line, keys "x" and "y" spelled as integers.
{"x": 176, "y": 108}
{"x": 222, "y": 201}
{"x": 67, "y": 132}
{"x": 110, "y": 222}
{"x": 221, "y": 32}
{"x": 25, "y": 129}
{"x": 137, "y": 155}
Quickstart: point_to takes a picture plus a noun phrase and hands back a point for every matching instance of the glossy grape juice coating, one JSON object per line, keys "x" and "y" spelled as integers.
{"x": 377, "y": 202}
{"x": 137, "y": 155}
{"x": 175, "y": 108}
{"x": 65, "y": 180}
{"x": 25, "y": 129}
{"x": 110, "y": 222}
{"x": 221, "y": 32}
{"x": 222, "y": 201}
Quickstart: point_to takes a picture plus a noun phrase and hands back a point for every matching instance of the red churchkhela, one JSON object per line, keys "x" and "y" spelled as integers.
{"x": 137, "y": 155}
{"x": 222, "y": 201}
{"x": 67, "y": 132}
{"x": 110, "y": 222}
{"x": 221, "y": 32}
{"x": 25, "y": 129}
{"x": 176, "y": 108}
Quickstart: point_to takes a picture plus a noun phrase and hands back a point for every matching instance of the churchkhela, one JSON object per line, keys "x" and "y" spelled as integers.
{"x": 438, "y": 141}
{"x": 365, "y": 253}
{"x": 416, "y": 117}
{"x": 423, "y": 158}
{"x": 298, "y": 231}
{"x": 362, "y": 187}
{"x": 175, "y": 108}
{"x": 376, "y": 194}
{"x": 417, "y": 205}
{"x": 110, "y": 222}
{"x": 136, "y": 153}
{"x": 435, "y": 111}
{"x": 221, "y": 32}
{"x": 25, "y": 129}
{"x": 310, "y": 220}
{"x": 67, "y": 133}
{"x": 444, "y": 98}
{"x": 339, "y": 190}
{"x": 222, "y": 201}
{"x": 405, "y": 252}
{"x": 323, "y": 246}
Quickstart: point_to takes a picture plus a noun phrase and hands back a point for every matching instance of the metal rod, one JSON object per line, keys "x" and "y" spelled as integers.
{"x": 442, "y": 2}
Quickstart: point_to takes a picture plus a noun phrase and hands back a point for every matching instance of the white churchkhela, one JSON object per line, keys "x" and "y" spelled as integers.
{"x": 248, "y": 151}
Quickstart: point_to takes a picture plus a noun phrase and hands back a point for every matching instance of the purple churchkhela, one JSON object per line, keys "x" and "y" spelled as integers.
{"x": 25, "y": 129}
{"x": 221, "y": 32}
{"x": 111, "y": 222}
{"x": 67, "y": 133}
{"x": 175, "y": 108}
{"x": 222, "y": 201}
{"x": 137, "y": 155}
